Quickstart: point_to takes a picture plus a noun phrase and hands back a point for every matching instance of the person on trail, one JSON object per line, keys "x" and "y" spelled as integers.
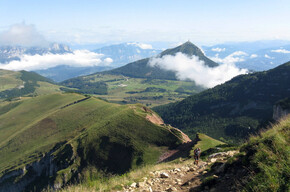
{"x": 197, "y": 152}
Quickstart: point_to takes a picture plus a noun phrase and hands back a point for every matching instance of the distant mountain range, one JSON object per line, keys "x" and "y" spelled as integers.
{"x": 127, "y": 52}
{"x": 255, "y": 56}
{"x": 234, "y": 109}
{"x": 9, "y": 53}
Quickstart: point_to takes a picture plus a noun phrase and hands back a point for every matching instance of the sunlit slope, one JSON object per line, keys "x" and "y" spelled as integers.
{"x": 93, "y": 132}
{"x": 22, "y": 83}
{"x": 9, "y": 79}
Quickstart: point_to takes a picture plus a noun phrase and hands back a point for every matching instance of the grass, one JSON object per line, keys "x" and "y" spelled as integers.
{"x": 22, "y": 84}
{"x": 107, "y": 136}
{"x": 9, "y": 79}
{"x": 206, "y": 143}
{"x": 268, "y": 157}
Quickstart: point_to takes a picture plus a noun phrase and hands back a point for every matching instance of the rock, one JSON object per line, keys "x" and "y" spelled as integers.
{"x": 140, "y": 184}
{"x": 212, "y": 160}
{"x": 204, "y": 172}
{"x": 164, "y": 175}
{"x": 171, "y": 189}
{"x": 192, "y": 169}
{"x": 177, "y": 170}
{"x": 133, "y": 185}
{"x": 215, "y": 176}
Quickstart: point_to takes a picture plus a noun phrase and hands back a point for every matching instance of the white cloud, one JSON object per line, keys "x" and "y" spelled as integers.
{"x": 142, "y": 45}
{"x": 253, "y": 56}
{"x": 194, "y": 69}
{"x": 280, "y": 51}
{"x": 217, "y": 49}
{"x": 268, "y": 57}
{"x": 79, "y": 58}
{"x": 237, "y": 56}
{"x": 23, "y": 35}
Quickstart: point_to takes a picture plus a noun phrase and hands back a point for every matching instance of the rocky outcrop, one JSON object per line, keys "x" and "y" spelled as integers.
{"x": 43, "y": 172}
{"x": 279, "y": 112}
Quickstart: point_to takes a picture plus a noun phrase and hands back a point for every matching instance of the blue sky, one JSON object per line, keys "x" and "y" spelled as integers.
{"x": 202, "y": 21}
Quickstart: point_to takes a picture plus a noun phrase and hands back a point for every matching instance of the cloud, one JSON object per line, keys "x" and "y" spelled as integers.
{"x": 237, "y": 56}
{"x": 253, "y": 56}
{"x": 194, "y": 69}
{"x": 22, "y": 35}
{"x": 142, "y": 45}
{"x": 217, "y": 49}
{"x": 280, "y": 51}
{"x": 79, "y": 58}
{"x": 268, "y": 57}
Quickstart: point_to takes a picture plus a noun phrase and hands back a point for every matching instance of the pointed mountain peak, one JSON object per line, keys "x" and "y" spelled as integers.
{"x": 187, "y": 48}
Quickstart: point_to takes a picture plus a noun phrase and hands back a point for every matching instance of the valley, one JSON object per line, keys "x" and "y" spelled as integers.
{"x": 126, "y": 90}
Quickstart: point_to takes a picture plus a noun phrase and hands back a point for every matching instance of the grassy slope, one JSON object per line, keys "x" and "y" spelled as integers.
{"x": 17, "y": 123}
{"x": 22, "y": 83}
{"x": 268, "y": 155}
{"x": 9, "y": 79}
{"x": 205, "y": 142}
{"x": 35, "y": 126}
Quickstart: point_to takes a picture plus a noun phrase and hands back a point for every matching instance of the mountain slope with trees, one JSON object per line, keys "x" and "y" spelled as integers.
{"x": 234, "y": 109}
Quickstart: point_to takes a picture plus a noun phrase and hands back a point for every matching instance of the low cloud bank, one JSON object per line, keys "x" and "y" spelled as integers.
{"x": 79, "y": 58}
{"x": 280, "y": 51}
{"x": 194, "y": 69}
{"x": 237, "y": 56}
{"x": 23, "y": 35}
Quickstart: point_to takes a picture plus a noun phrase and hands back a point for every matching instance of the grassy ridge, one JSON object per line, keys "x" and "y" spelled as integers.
{"x": 18, "y": 122}
{"x": 88, "y": 132}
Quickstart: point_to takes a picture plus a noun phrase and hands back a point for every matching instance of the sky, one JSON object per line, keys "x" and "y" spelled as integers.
{"x": 202, "y": 22}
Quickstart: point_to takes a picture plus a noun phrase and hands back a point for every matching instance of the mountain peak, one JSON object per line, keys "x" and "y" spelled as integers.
{"x": 189, "y": 49}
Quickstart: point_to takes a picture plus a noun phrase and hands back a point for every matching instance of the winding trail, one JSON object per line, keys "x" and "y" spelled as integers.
{"x": 184, "y": 177}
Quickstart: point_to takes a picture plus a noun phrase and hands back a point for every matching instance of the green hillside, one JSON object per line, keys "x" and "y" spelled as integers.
{"x": 22, "y": 83}
{"x": 55, "y": 138}
{"x": 138, "y": 82}
{"x": 232, "y": 110}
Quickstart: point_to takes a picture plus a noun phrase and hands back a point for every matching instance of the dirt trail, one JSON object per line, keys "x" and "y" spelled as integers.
{"x": 181, "y": 178}
{"x": 185, "y": 176}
